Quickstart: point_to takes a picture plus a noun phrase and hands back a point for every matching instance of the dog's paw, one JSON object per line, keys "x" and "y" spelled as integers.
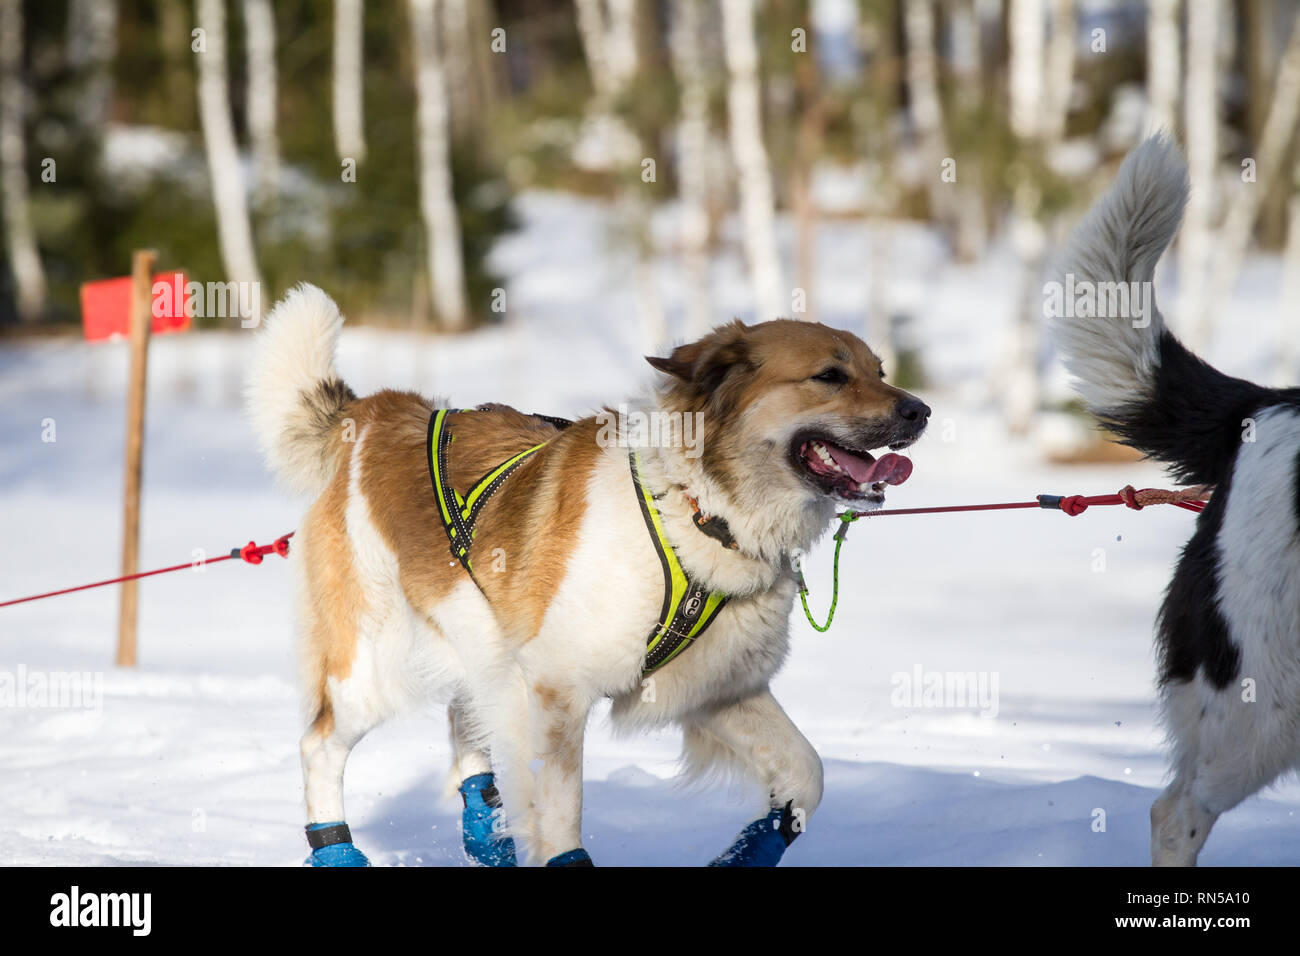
{"x": 483, "y": 844}
{"x": 762, "y": 843}
{"x": 337, "y": 854}
{"x": 578, "y": 857}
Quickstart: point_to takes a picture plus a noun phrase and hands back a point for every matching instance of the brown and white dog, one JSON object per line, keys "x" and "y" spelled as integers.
{"x": 570, "y": 580}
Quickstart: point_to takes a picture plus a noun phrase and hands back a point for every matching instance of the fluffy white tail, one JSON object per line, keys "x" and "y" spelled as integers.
{"x": 294, "y": 397}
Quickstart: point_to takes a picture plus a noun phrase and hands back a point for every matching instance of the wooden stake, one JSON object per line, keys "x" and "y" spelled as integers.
{"x": 142, "y": 266}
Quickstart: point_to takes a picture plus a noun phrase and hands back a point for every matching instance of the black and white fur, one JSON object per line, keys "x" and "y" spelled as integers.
{"x": 1229, "y": 630}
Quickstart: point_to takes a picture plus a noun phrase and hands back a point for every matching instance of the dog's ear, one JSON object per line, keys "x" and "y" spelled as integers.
{"x": 679, "y": 364}
{"x": 705, "y": 364}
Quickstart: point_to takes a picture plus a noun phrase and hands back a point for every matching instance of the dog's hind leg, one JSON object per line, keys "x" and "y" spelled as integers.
{"x": 1227, "y": 746}
{"x": 482, "y": 816}
{"x": 325, "y": 748}
{"x": 756, "y": 736}
{"x": 1180, "y": 824}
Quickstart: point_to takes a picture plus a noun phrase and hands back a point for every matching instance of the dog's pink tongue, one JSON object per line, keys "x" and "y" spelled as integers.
{"x": 891, "y": 469}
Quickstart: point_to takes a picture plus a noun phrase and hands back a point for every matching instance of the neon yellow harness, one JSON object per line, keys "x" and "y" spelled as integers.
{"x": 459, "y": 515}
{"x": 688, "y": 607}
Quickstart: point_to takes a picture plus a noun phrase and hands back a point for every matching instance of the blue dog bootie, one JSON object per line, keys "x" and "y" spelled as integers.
{"x": 763, "y": 842}
{"x": 578, "y": 857}
{"x": 483, "y": 845}
{"x": 331, "y": 845}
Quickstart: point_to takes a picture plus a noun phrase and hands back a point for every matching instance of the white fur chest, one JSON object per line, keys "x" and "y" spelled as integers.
{"x": 593, "y": 636}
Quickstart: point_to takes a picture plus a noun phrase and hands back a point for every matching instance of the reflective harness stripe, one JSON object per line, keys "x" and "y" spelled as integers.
{"x": 688, "y": 607}
{"x": 458, "y": 514}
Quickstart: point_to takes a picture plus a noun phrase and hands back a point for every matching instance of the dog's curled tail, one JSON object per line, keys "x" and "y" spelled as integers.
{"x": 1132, "y": 373}
{"x": 294, "y": 397}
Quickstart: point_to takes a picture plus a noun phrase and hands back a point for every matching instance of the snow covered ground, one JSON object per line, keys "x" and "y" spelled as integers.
{"x": 192, "y": 758}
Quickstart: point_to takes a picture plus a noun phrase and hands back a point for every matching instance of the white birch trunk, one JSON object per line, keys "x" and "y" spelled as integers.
{"x": 1020, "y": 391}
{"x": 437, "y": 201}
{"x": 1025, "y": 72}
{"x": 460, "y": 68}
{"x": 1288, "y": 351}
{"x": 1060, "y": 69}
{"x": 20, "y": 237}
{"x": 595, "y": 47}
{"x": 620, "y": 44}
{"x": 968, "y": 66}
{"x": 91, "y": 46}
{"x": 927, "y": 112}
{"x": 349, "y": 58}
{"x": 754, "y": 177}
{"x": 1164, "y": 64}
{"x": 1201, "y": 122}
{"x": 234, "y": 232}
{"x": 692, "y": 162}
{"x": 1243, "y": 212}
{"x": 259, "y": 24}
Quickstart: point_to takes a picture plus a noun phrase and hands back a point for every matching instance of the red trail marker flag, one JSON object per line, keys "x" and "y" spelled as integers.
{"x": 106, "y": 306}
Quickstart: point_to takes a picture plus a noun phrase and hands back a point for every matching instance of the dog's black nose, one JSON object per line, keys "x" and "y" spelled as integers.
{"x": 913, "y": 410}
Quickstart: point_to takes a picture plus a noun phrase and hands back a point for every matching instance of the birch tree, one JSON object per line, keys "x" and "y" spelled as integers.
{"x": 808, "y": 144}
{"x": 609, "y": 42}
{"x": 621, "y": 42}
{"x": 20, "y": 237}
{"x": 458, "y": 43}
{"x": 1021, "y": 390}
{"x": 968, "y": 68}
{"x": 754, "y": 180}
{"x": 259, "y": 26}
{"x": 609, "y": 36}
{"x": 1201, "y": 122}
{"x": 692, "y": 161}
{"x": 1163, "y": 63}
{"x": 349, "y": 57}
{"x": 1288, "y": 352}
{"x": 1243, "y": 212}
{"x": 234, "y": 231}
{"x": 437, "y": 201}
{"x": 592, "y": 33}
{"x": 927, "y": 111}
{"x": 1060, "y": 69}
{"x": 1025, "y": 72}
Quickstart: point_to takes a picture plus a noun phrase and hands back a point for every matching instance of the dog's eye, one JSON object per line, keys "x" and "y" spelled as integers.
{"x": 882, "y": 373}
{"x": 833, "y": 375}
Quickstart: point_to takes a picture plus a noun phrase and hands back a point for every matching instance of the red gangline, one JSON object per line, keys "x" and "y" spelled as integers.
{"x": 1192, "y": 499}
{"x": 251, "y": 552}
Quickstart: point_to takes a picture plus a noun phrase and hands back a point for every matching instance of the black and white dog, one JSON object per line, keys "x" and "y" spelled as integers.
{"x": 1229, "y": 630}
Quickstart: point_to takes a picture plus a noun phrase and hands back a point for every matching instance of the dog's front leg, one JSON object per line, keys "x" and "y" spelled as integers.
{"x": 755, "y": 734}
{"x": 558, "y": 805}
{"x": 538, "y": 746}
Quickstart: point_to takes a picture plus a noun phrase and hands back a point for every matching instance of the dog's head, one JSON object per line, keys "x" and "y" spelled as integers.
{"x": 794, "y": 408}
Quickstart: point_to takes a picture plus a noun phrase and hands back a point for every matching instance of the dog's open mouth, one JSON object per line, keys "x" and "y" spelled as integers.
{"x": 849, "y": 473}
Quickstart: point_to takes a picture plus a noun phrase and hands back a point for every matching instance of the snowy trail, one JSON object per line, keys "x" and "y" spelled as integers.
{"x": 193, "y": 759}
